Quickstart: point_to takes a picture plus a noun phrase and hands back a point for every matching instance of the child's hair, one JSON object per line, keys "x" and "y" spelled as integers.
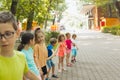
{"x": 60, "y": 37}
{"x": 67, "y": 34}
{"x": 37, "y": 30}
{"x": 74, "y": 35}
{"x": 8, "y": 17}
{"x": 25, "y": 39}
{"x": 36, "y": 34}
{"x": 53, "y": 41}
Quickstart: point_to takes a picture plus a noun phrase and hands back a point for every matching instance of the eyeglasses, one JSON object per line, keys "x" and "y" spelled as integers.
{"x": 7, "y": 35}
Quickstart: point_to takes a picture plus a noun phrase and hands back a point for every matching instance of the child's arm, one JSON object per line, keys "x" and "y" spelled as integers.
{"x": 54, "y": 52}
{"x": 36, "y": 52}
{"x": 31, "y": 76}
{"x": 51, "y": 55}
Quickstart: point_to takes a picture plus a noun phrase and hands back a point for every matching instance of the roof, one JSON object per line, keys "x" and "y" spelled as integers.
{"x": 86, "y": 8}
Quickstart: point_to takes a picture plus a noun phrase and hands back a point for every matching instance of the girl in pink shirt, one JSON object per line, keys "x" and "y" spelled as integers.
{"x": 68, "y": 49}
{"x": 61, "y": 52}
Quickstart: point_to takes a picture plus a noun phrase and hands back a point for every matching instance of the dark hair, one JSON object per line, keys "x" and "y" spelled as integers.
{"x": 8, "y": 17}
{"x": 67, "y": 34}
{"x": 60, "y": 36}
{"x": 25, "y": 39}
{"x": 53, "y": 40}
{"x": 36, "y": 30}
{"x": 74, "y": 35}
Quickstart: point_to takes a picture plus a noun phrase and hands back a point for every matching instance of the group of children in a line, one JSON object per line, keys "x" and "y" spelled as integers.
{"x": 33, "y": 59}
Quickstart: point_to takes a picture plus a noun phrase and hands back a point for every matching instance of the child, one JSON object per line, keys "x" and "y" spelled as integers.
{"x": 74, "y": 48}
{"x": 68, "y": 50}
{"x": 61, "y": 52}
{"x": 27, "y": 41}
{"x": 13, "y": 65}
{"x": 40, "y": 52}
{"x": 51, "y": 54}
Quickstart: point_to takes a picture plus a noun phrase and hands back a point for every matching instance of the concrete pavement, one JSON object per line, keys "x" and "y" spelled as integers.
{"x": 98, "y": 58}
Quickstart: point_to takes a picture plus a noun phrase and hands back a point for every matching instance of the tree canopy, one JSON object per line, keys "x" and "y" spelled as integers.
{"x": 31, "y": 9}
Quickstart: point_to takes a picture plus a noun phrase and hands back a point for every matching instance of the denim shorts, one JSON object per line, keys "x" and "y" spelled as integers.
{"x": 74, "y": 52}
{"x": 50, "y": 63}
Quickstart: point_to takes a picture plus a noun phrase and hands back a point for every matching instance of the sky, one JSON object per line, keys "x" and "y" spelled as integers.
{"x": 71, "y": 16}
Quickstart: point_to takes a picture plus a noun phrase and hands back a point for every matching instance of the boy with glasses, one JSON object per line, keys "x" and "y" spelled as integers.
{"x": 13, "y": 65}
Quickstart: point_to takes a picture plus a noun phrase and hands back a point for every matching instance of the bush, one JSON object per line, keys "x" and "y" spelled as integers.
{"x": 106, "y": 29}
{"x": 115, "y": 30}
{"x": 51, "y": 35}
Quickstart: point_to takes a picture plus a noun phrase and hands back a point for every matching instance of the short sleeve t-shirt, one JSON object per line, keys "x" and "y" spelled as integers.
{"x": 49, "y": 48}
{"x": 30, "y": 60}
{"x": 68, "y": 43}
{"x": 13, "y": 68}
{"x": 74, "y": 41}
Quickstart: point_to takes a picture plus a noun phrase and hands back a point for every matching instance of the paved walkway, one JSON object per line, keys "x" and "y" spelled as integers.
{"x": 98, "y": 58}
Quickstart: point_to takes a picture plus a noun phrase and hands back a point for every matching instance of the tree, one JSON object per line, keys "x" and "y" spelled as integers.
{"x": 111, "y": 5}
{"x": 14, "y": 6}
{"x": 38, "y": 10}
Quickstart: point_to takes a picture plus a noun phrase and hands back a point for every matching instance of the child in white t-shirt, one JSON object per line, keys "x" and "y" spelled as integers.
{"x": 74, "y": 48}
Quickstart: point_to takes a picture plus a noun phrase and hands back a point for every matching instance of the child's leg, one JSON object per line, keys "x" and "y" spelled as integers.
{"x": 75, "y": 55}
{"x": 53, "y": 67}
{"x": 59, "y": 64}
{"x": 47, "y": 75}
{"x": 67, "y": 59}
{"x": 72, "y": 59}
{"x": 49, "y": 68}
{"x": 62, "y": 64}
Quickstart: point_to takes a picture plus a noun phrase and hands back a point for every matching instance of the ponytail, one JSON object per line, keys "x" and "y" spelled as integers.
{"x": 20, "y": 47}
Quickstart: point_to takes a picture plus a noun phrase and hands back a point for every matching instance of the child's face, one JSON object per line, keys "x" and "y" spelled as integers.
{"x": 68, "y": 36}
{"x": 40, "y": 37}
{"x": 62, "y": 38}
{"x": 8, "y": 36}
{"x": 74, "y": 37}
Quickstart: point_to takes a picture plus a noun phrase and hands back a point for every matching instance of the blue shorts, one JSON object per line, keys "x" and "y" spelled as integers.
{"x": 74, "y": 52}
{"x": 50, "y": 63}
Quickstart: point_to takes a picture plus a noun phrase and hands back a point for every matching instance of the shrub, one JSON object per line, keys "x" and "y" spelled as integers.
{"x": 115, "y": 30}
{"x": 51, "y": 35}
{"x": 106, "y": 29}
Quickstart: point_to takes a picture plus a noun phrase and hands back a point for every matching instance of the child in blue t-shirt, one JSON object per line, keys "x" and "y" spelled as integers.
{"x": 51, "y": 54}
{"x": 27, "y": 41}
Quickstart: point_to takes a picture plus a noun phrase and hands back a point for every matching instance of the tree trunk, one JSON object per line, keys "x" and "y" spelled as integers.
{"x": 46, "y": 21}
{"x": 117, "y": 6}
{"x": 54, "y": 19}
{"x": 48, "y": 9}
{"x": 109, "y": 11}
{"x": 13, "y": 8}
{"x": 30, "y": 20}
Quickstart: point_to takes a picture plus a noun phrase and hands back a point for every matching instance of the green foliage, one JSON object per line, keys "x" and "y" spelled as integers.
{"x": 51, "y": 35}
{"x": 41, "y": 8}
{"x": 115, "y": 30}
{"x": 106, "y": 29}
{"x": 98, "y": 2}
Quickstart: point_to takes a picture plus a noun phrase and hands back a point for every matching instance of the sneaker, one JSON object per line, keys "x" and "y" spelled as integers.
{"x": 54, "y": 76}
{"x": 69, "y": 65}
{"x": 72, "y": 61}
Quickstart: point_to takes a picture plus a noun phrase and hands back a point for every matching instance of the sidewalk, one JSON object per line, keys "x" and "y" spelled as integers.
{"x": 98, "y": 58}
